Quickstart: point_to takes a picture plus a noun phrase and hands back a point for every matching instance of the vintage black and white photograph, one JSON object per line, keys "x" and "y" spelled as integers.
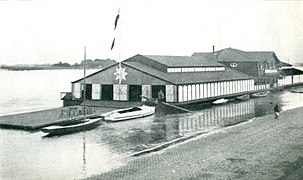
{"x": 151, "y": 90}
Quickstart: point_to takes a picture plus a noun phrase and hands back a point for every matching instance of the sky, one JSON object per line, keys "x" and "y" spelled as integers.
{"x": 49, "y": 31}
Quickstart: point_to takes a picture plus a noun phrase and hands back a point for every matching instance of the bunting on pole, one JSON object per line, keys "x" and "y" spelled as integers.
{"x": 116, "y": 24}
{"x": 116, "y": 20}
{"x": 113, "y": 44}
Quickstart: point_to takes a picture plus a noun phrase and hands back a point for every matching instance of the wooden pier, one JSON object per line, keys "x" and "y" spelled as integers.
{"x": 33, "y": 121}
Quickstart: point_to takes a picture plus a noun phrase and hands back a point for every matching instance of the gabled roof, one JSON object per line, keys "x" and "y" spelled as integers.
{"x": 190, "y": 77}
{"x": 284, "y": 64}
{"x": 184, "y": 61}
{"x": 180, "y": 78}
{"x": 231, "y": 54}
{"x": 96, "y": 72}
{"x": 263, "y": 56}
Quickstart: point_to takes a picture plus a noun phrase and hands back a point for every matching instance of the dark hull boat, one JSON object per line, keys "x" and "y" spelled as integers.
{"x": 293, "y": 91}
{"x": 83, "y": 125}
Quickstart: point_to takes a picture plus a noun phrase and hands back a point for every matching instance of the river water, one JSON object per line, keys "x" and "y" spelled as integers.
{"x": 31, "y": 155}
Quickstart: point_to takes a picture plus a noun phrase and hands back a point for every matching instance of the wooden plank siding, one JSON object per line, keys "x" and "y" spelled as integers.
{"x": 214, "y": 89}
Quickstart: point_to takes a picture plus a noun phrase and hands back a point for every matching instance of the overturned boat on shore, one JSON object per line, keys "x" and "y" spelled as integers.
{"x": 128, "y": 113}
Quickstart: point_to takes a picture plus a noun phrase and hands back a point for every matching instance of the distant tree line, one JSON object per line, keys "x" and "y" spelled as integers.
{"x": 89, "y": 64}
{"x": 97, "y": 63}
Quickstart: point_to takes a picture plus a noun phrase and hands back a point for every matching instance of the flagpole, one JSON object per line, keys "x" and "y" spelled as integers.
{"x": 84, "y": 79}
{"x": 119, "y": 61}
{"x": 119, "y": 56}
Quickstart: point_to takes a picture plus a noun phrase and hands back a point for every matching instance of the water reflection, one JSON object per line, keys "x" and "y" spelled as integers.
{"x": 205, "y": 120}
{"x": 84, "y": 156}
{"x": 149, "y": 132}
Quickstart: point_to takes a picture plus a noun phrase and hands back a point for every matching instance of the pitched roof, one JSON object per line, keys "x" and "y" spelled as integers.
{"x": 190, "y": 77}
{"x": 284, "y": 64}
{"x": 183, "y": 61}
{"x": 263, "y": 55}
{"x": 231, "y": 54}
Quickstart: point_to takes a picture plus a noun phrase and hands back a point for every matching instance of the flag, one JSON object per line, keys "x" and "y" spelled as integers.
{"x": 113, "y": 44}
{"x": 116, "y": 20}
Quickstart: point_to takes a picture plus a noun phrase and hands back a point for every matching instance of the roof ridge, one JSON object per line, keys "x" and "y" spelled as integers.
{"x": 165, "y": 56}
{"x": 241, "y": 53}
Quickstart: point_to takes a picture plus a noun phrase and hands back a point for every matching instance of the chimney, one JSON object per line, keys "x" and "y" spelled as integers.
{"x": 213, "y": 48}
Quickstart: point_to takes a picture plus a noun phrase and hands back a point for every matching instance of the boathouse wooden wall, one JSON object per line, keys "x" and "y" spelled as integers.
{"x": 213, "y": 89}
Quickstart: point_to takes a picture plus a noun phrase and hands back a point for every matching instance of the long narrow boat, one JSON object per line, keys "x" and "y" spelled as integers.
{"x": 260, "y": 94}
{"x": 244, "y": 97}
{"x": 83, "y": 125}
{"x": 128, "y": 113}
{"x": 293, "y": 91}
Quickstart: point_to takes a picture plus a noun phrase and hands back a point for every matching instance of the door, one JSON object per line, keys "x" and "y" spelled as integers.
{"x": 156, "y": 89}
{"x": 107, "y": 92}
{"x": 134, "y": 93}
{"x": 88, "y": 92}
{"x": 120, "y": 92}
{"x": 96, "y": 91}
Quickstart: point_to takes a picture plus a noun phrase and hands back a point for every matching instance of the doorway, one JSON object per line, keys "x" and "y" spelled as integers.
{"x": 134, "y": 93}
{"x": 156, "y": 89}
{"x": 107, "y": 92}
{"x": 88, "y": 91}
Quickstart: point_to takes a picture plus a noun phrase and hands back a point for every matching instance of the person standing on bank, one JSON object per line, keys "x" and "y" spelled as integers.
{"x": 277, "y": 111}
{"x": 160, "y": 96}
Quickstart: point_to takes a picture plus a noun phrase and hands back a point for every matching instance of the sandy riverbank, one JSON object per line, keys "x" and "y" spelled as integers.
{"x": 264, "y": 148}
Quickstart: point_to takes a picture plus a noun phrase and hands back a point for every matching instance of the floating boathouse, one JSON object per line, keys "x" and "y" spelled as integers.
{"x": 182, "y": 79}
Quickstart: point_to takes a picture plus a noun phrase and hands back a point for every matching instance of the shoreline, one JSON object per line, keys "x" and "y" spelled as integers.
{"x": 29, "y": 111}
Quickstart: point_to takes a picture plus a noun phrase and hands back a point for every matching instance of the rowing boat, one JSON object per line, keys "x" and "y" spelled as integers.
{"x": 83, "y": 125}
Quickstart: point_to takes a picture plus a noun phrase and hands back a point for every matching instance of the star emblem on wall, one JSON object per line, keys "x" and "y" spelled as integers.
{"x": 120, "y": 73}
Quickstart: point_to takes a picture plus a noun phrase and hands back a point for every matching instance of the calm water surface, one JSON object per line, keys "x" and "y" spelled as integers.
{"x": 23, "y": 91}
{"x": 26, "y": 155}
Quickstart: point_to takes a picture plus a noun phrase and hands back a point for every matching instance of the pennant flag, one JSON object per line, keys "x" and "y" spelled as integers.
{"x": 116, "y": 20}
{"x": 113, "y": 44}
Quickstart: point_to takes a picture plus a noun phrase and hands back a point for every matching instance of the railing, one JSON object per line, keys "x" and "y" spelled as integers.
{"x": 77, "y": 111}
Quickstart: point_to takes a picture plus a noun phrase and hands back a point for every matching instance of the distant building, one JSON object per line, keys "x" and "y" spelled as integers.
{"x": 183, "y": 79}
{"x": 263, "y": 65}
{"x": 289, "y": 75}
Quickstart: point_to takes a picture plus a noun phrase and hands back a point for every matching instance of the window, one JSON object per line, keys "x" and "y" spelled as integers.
{"x": 195, "y": 69}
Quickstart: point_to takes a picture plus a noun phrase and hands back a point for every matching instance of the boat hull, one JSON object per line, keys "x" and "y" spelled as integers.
{"x": 118, "y": 115}
{"x": 220, "y": 101}
{"x": 62, "y": 130}
{"x": 260, "y": 94}
{"x": 243, "y": 97}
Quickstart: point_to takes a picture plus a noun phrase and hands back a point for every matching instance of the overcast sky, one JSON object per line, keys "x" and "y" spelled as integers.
{"x": 45, "y": 31}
